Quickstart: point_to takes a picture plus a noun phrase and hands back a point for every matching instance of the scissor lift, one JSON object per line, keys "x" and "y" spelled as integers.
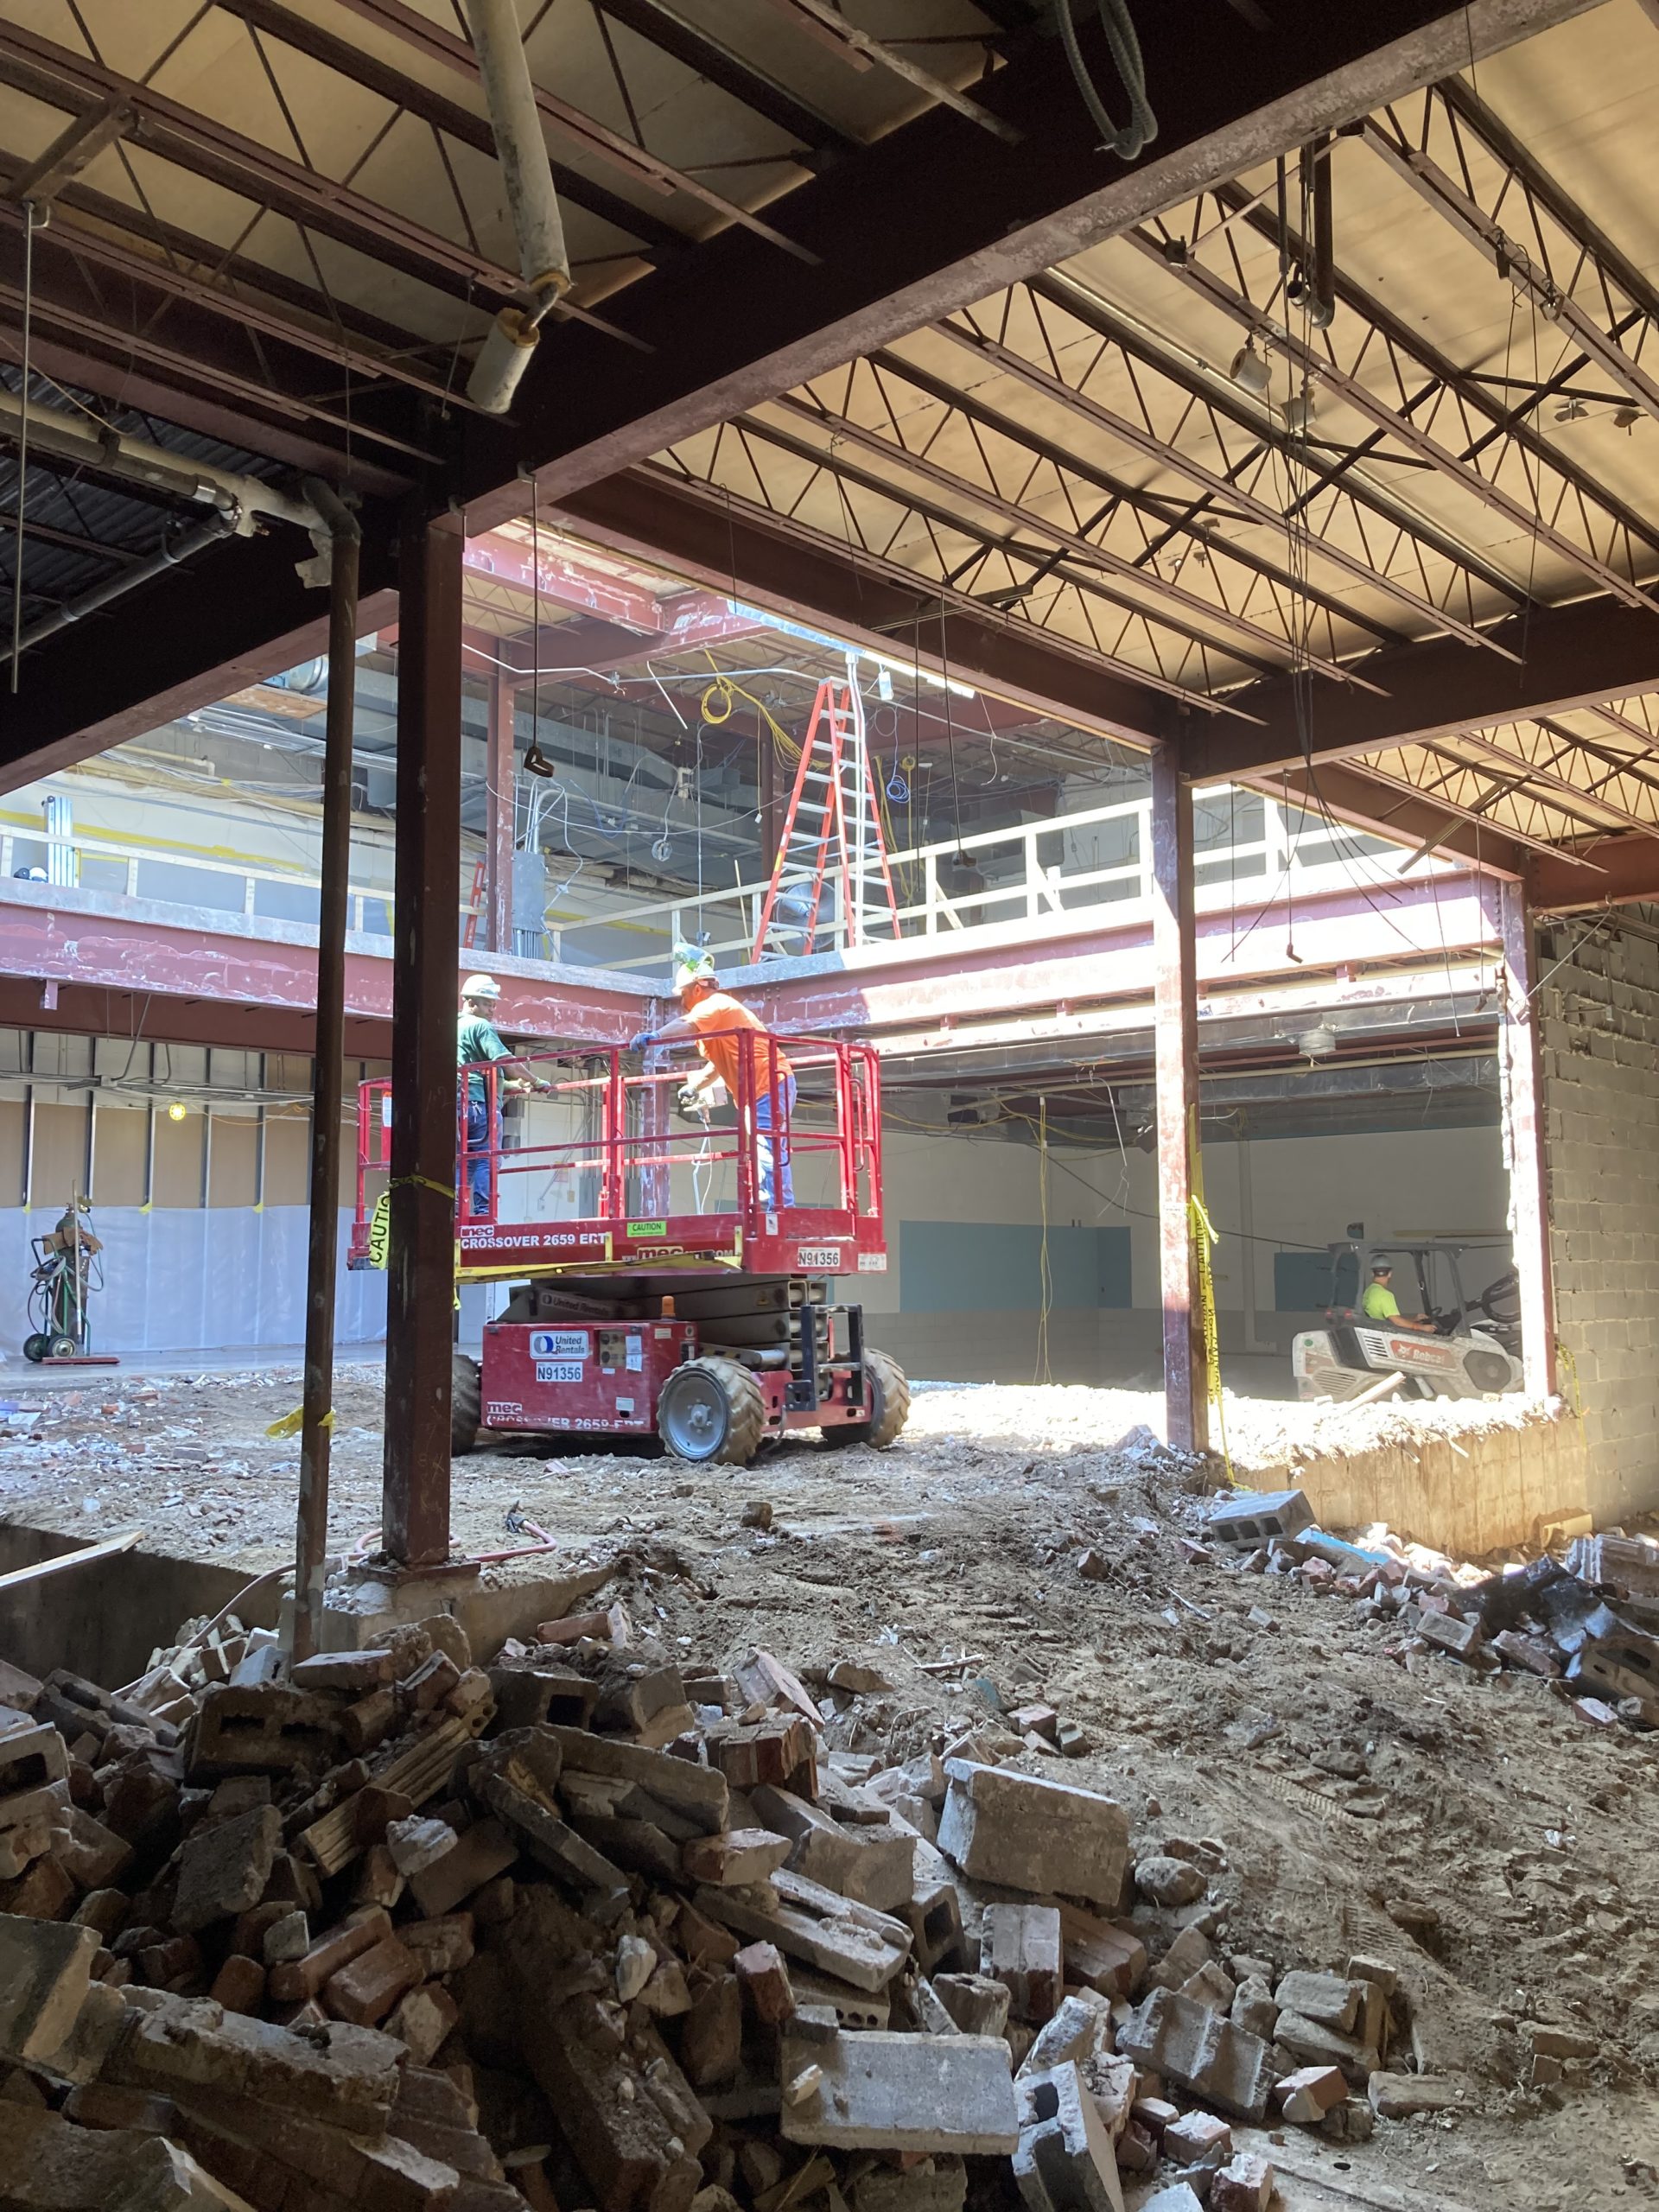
{"x": 637, "y": 1309}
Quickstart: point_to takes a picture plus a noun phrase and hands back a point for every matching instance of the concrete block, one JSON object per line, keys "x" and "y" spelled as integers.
{"x": 1177, "y": 2199}
{"x": 485, "y": 1851}
{"x": 738, "y": 1857}
{"x": 933, "y": 1914}
{"x": 876, "y": 1865}
{"x": 365, "y": 1990}
{"x": 443, "y": 1946}
{"x": 1317, "y": 2045}
{"x": 1195, "y": 2138}
{"x": 806, "y": 1921}
{"x": 1019, "y": 1947}
{"x": 222, "y": 1869}
{"x": 418, "y": 1842}
{"x": 46, "y": 1969}
{"x": 1246, "y": 2185}
{"x": 1064, "y": 2160}
{"x": 977, "y": 2004}
{"x": 1402, "y": 2096}
{"x": 1251, "y": 1517}
{"x": 1100, "y": 1955}
{"x": 700, "y": 1793}
{"x": 293, "y": 1983}
{"x": 179, "y": 2046}
{"x": 422, "y": 2020}
{"x": 1205, "y": 2053}
{"x": 1330, "y": 1999}
{"x": 1080, "y": 2031}
{"x": 885, "y": 2092}
{"x": 1304, "y": 2098}
{"x": 52, "y": 2165}
{"x": 1045, "y": 1838}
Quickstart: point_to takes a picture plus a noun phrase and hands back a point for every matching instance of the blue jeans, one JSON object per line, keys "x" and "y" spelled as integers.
{"x": 773, "y": 1172}
{"x": 477, "y": 1163}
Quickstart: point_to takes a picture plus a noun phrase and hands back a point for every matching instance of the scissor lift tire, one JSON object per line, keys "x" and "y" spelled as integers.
{"x": 711, "y": 1409}
{"x": 465, "y": 1404}
{"x": 889, "y": 1408}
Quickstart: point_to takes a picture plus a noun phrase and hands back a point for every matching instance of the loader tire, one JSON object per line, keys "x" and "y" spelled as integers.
{"x": 465, "y": 1404}
{"x": 889, "y": 1406}
{"x": 711, "y": 1409}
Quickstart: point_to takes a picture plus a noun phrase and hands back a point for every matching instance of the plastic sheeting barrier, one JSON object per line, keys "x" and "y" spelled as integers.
{"x": 192, "y": 1279}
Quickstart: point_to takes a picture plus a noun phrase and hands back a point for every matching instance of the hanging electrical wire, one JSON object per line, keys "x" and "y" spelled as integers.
{"x": 1127, "y": 140}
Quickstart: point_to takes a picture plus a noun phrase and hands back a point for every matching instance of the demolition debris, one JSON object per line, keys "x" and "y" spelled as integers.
{"x": 587, "y": 1926}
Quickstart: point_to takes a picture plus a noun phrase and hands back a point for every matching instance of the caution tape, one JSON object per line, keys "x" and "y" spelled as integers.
{"x": 291, "y": 1424}
{"x": 1201, "y": 1229}
{"x": 379, "y": 1230}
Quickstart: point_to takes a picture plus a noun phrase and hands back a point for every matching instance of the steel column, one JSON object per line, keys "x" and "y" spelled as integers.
{"x": 500, "y": 813}
{"x": 1175, "y": 1018}
{"x": 1523, "y": 1140}
{"x": 327, "y": 1079}
{"x": 420, "y": 1274}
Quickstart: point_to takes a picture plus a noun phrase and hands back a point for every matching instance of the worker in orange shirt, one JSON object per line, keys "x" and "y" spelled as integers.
{"x": 717, "y": 1021}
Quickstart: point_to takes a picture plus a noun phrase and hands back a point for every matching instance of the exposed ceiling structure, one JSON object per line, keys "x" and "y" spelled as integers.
{"x": 1342, "y": 474}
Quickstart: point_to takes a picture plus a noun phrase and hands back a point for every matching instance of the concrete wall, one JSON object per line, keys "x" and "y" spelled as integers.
{"x": 1487, "y": 1489}
{"x": 1600, "y": 1042}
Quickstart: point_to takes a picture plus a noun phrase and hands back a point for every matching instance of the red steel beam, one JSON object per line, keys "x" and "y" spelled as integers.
{"x": 420, "y": 1261}
{"x": 1629, "y": 875}
{"x": 1175, "y": 1052}
{"x": 113, "y": 955}
{"x": 1564, "y": 657}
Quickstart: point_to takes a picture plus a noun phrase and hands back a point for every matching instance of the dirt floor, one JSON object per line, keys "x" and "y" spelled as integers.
{"x": 1469, "y": 1829}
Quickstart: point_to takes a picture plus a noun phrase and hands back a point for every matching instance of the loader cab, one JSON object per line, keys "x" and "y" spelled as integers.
{"x": 1437, "y": 1280}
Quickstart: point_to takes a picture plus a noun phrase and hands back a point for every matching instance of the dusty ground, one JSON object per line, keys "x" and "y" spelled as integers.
{"x": 1506, "y": 1857}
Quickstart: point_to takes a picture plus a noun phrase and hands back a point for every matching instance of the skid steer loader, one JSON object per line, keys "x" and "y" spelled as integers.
{"x": 1474, "y": 1350}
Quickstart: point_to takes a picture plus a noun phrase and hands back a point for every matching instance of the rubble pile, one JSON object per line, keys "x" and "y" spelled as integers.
{"x": 1588, "y": 1626}
{"x": 588, "y": 1927}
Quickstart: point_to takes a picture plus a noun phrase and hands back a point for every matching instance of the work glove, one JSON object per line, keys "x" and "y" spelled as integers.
{"x": 638, "y": 1044}
{"x": 692, "y": 1103}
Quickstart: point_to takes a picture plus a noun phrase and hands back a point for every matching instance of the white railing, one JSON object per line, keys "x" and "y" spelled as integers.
{"x": 369, "y": 914}
{"x": 1021, "y": 890}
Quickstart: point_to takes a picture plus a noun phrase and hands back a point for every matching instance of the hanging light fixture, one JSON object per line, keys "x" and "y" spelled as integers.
{"x": 1250, "y": 371}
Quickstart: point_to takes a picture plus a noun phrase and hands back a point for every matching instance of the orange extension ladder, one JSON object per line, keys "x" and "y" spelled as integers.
{"x": 832, "y": 829}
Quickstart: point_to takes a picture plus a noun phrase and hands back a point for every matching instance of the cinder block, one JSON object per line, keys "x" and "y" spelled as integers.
{"x": 1019, "y": 1947}
{"x": 887, "y": 2092}
{"x": 222, "y": 1869}
{"x": 46, "y": 1968}
{"x": 1045, "y": 1838}
{"x": 1197, "y": 2048}
{"x": 1252, "y": 1518}
{"x": 1065, "y": 2161}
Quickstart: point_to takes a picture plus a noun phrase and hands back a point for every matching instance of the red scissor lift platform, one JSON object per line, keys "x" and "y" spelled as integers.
{"x": 641, "y": 1307}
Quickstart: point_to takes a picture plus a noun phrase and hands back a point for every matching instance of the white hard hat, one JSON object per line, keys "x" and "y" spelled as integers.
{"x": 481, "y": 986}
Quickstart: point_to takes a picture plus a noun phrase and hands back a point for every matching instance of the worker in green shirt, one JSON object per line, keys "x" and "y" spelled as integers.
{"x": 476, "y": 1041}
{"x": 1379, "y": 1303}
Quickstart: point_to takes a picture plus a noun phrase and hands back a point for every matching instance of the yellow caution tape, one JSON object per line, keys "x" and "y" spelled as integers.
{"x": 379, "y": 1230}
{"x": 291, "y": 1424}
{"x": 1202, "y": 1232}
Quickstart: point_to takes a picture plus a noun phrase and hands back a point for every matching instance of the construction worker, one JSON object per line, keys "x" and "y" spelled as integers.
{"x": 716, "y": 1020}
{"x": 1379, "y": 1303}
{"x": 476, "y": 1041}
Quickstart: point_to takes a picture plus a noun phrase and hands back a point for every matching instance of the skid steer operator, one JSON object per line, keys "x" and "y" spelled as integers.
{"x": 1379, "y": 1304}
{"x": 476, "y": 1041}
{"x": 714, "y": 1018}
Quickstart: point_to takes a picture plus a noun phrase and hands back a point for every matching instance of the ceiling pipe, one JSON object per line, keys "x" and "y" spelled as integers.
{"x": 70, "y": 437}
{"x": 527, "y": 175}
{"x": 222, "y": 523}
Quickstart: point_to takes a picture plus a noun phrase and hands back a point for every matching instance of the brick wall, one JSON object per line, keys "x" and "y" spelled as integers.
{"x": 1600, "y": 1042}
